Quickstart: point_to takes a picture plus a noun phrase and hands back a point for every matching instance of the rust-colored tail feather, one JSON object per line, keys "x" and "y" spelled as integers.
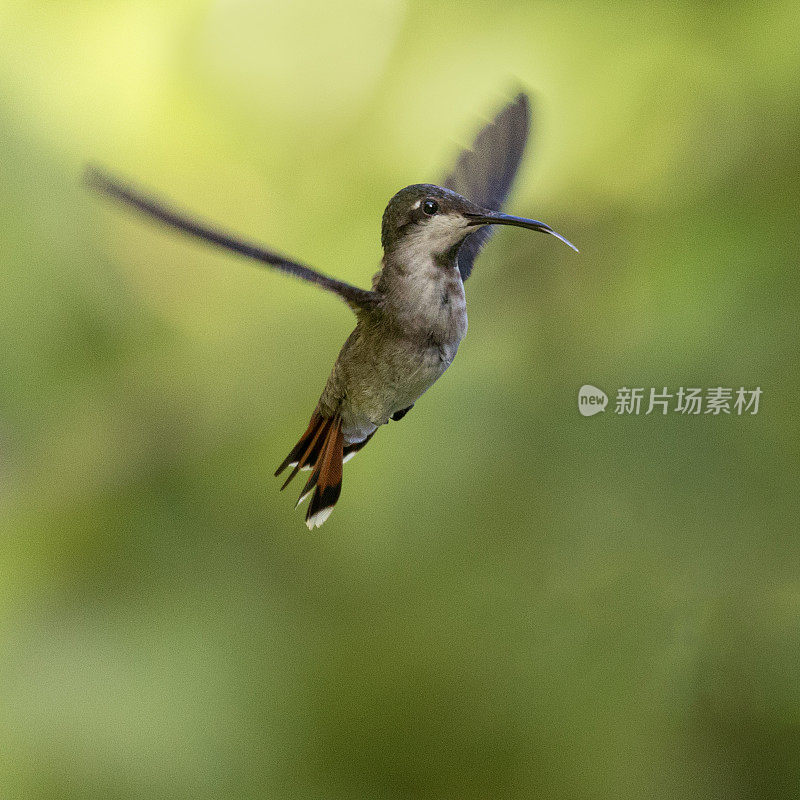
{"x": 322, "y": 449}
{"x": 315, "y": 443}
{"x": 300, "y": 448}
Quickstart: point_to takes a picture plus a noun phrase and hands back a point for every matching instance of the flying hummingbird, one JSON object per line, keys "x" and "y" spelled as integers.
{"x": 410, "y": 323}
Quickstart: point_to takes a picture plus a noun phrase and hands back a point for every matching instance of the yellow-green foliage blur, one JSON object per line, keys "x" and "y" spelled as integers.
{"x": 511, "y": 600}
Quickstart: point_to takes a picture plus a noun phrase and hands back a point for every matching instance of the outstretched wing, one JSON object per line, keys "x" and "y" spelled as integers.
{"x": 358, "y": 299}
{"x": 485, "y": 172}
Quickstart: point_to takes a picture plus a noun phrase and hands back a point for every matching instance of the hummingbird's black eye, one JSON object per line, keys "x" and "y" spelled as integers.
{"x": 430, "y": 207}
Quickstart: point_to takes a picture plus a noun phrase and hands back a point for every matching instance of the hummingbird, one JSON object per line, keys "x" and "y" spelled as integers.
{"x": 411, "y": 321}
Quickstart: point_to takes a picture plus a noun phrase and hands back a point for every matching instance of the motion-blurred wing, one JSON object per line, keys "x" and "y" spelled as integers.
{"x": 484, "y": 173}
{"x": 358, "y": 299}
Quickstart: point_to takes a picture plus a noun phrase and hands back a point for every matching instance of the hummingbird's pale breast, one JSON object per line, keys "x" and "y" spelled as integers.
{"x": 397, "y": 352}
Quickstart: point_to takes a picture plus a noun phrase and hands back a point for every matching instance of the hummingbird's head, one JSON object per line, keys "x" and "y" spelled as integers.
{"x": 428, "y": 220}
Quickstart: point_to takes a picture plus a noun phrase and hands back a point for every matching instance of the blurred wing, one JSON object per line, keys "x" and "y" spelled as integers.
{"x": 358, "y": 299}
{"x": 484, "y": 173}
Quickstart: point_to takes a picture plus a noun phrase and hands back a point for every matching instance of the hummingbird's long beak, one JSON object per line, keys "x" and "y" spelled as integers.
{"x": 496, "y": 218}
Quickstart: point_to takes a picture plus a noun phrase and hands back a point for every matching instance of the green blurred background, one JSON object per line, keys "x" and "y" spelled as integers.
{"x": 511, "y": 601}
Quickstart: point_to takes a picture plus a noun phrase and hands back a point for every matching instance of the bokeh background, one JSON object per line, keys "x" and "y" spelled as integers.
{"x": 511, "y": 601}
